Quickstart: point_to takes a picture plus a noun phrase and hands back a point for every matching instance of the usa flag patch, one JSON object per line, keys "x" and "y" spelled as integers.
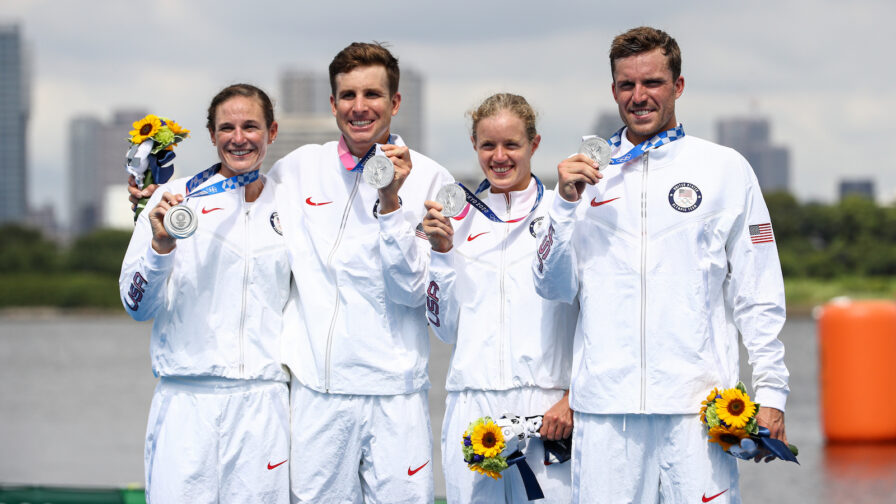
{"x": 761, "y": 233}
{"x": 419, "y": 232}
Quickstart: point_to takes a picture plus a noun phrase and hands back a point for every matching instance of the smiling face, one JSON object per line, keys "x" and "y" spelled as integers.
{"x": 504, "y": 151}
{"x": 240, "y": 135}
{"x": 363, "y": 107}
{"x": 645, "y": 90}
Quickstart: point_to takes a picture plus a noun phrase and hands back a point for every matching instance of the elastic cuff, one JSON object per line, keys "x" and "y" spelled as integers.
{"x": 442, "y": 260}
{"x": 772, "y": 398}
{"x": 159, "y": 262}
{"x": 392, "y": 222}
{"x": 563, "y": 209}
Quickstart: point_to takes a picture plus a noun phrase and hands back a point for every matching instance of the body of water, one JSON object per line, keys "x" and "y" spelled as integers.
{"x": 75, "y": 394}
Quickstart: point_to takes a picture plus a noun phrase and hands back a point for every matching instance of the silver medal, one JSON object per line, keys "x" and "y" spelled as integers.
{"x": 452, "y": 198}
{"x": 597, "y": 149}
{"x": 180, "y": 222}
{"x": 378, "y": 172}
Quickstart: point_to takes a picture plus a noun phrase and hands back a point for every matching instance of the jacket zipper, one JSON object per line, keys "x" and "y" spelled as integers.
{"x": 246, "y": 256}
{"x": 345, "y": 214}
{"x": 644, "y": 285}
{"x": 503, "y": 327}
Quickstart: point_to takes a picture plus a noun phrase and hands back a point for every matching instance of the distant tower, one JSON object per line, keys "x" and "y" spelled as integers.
{"x": 14, "y": 105}
{"x": 607, "y": 123}
{"x": 751, "y": 137}
{"x": 857, "y": 187}
{"x": 96, "y": 162}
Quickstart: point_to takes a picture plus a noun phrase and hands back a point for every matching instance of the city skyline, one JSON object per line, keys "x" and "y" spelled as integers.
{"x": 813, "y": 81}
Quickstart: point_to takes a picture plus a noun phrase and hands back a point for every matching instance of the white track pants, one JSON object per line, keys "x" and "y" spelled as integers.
{"x": 649, "y": 459}
{"x": 465, "y": 486}
{"x": 360, "y": 448}
{"x": 212, "y": 440}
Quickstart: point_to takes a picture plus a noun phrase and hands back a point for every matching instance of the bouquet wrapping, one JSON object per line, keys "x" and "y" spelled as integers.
{"x": 150, "y": 158}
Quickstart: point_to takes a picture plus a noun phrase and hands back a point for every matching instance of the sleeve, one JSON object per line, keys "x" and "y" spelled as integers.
{"x": 442, "y": 308}
{"x": 555, "y": 268}
{"x": 405, "y": 250}
{"x": 144, "y": 272}
{"x": 755, "y": 295}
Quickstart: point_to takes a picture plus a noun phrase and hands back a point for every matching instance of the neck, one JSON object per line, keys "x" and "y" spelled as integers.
{"x": 358, "y": 150}
{"x": 253, "y": 190}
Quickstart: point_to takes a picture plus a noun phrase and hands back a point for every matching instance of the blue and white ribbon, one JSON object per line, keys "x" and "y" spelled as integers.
{"x": 228, "y": 184}
{"x": 660, "y": 139}
{"x": 480, "y": 205}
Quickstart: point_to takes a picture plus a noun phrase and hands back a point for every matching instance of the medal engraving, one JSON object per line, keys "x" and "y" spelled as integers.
{"x": 180, "y": 222}
{"x": 452, "y": 198}
{"x": 598, "y": 150}
{"x": 378, "y": 172}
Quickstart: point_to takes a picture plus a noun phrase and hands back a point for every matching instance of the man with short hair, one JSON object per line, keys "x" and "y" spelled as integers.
{"x": 670, "y": 255}
{"x": 356, "y": 340}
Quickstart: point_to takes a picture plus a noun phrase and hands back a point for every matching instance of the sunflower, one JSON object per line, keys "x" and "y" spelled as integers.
{"x": 176, "y": 128}
{"x": 726, "y": 437}
{"x": 480, "y": 470}
{"x": 735, "y": 408}
{"x": 487, "y": 439}
{"x": 145, "y": 128}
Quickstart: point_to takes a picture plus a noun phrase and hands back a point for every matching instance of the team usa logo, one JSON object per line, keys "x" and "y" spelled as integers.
{"x": 685, "y": 197}
{"x": 275, "y": 223}
{"x": 135, "y": 291}
{"x": 432, "y": 304}
{"x": 535, "y": 226}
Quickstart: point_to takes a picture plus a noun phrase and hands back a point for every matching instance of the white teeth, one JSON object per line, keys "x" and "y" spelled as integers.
{"x": 361, "y": 123}
{"x": 503, "y": 169}
{"x": 641, "y": 112}
{"x": 239, "y": 152}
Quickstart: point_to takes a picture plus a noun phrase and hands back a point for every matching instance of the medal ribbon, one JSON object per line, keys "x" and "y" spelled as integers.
{"x": 348, "y": 160}
{"x": 229, "y": 184}
{"x": 660, "y": 139}
{"x": 480, "y": 205}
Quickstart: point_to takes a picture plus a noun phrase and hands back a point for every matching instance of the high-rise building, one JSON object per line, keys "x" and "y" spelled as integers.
{"x": 751, "y": 137}
{"x": 607, "y": 123}
{"x": 857, "y": 187}
{"x": 297, "y": 130}
{"x": 305, "y": 93}
{"x": 14, "y": 108}
{"x": 97, "y": 152}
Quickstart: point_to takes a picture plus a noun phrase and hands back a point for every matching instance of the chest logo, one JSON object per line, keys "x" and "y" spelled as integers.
{"x": 535, "y": 225}
{"x": 275, "y": 223}
{"x": 685, "y": 197}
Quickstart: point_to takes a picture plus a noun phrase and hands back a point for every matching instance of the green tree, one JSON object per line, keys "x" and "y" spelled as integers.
{"x": 25, "y": 250}
{"x": 100, "y": 251}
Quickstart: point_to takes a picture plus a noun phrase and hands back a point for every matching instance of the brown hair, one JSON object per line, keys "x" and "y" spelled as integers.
{"x": 362, "y": 54}
{"x": 246, "y": 90}
{"x": 644, "y": 39}
{"x": 516, "y": 104}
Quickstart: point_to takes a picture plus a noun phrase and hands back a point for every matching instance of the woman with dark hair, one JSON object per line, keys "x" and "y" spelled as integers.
{"x": 218, "y": 427}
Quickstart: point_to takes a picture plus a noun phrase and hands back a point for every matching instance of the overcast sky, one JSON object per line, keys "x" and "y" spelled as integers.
{"x": 822, "y": 71}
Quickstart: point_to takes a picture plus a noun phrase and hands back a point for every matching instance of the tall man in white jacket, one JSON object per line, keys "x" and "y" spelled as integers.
{"x": 356, "y": 340}
{"x": 671, "y": 255}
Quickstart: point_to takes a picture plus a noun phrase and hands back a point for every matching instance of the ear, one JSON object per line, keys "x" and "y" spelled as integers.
{"x": 396, "y": 103}
{"x": 613, "y": 89}
{"x": 211, "y": 134}
{"x": 273, "y": 132}
{"x": 535, "y": 142}
{"x": 333, "y": 104}
{"x": 473, "y": 141}
{"x": 679, "y": 86}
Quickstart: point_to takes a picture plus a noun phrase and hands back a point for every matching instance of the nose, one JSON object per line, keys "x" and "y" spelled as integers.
{"x": 358, "y": 105}
{"x": 238, "y": 135}
{"x": 500, "y": 153}
{"x": 639, "y": 94}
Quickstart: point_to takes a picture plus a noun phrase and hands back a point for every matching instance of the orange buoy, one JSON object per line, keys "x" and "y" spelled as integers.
{"x": 857, "y": 348}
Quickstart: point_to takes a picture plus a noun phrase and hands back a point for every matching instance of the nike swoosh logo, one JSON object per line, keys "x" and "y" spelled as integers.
{"x": 707, "y": 499}
{"x": 207, "y": 210}
{"x": 275, "y": 465}
{"x": 413, "y": 472}
{"x": 316, "y": 204}
{"x": 594, "y": 201}
{"x": 473, "y": 237}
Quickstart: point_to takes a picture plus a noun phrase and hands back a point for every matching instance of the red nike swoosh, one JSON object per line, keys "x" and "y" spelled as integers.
{"x": 707, "y": 499}
{"x": 473, "y": 237}
{"x": 275, "y": 465}
{"x": 316, "y": 204}
{"x": 594, "y": 201}
{"x": 413, "y": 472}
{"x": 207, "y": 210}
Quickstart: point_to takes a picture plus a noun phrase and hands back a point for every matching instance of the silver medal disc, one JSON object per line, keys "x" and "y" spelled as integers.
{"x": 598, "y": 150}
{"x": 180, "y": 222}
{"x": 378, "y": 172}
{"x": 452, "y": 198}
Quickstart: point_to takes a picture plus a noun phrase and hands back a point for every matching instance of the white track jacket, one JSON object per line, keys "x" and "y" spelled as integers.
{"x": 671, "y": 254}
{"x": 480, "y": 296}
{"x": 218, "y": 297}
{"x": 358, "y": 324}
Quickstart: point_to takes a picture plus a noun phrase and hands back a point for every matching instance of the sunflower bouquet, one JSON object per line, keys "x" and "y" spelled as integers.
{"x": 483, "y": 443}
{"x": 150, "y": 158}
{"x": 730, "y": 420}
